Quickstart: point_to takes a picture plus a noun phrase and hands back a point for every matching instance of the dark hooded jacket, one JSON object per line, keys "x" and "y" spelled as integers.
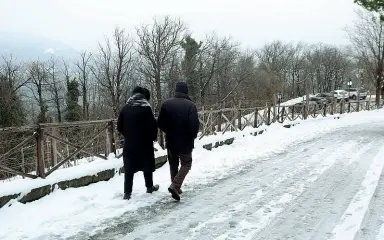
{"x": 138, "y": 126}
{"x": 179, "y": 120}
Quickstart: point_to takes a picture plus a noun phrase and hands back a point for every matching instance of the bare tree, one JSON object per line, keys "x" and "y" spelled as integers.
{"x": 367, "y": 37}
{"x": 244, "y": 73}
{"x": 84, "y": 70}
{"x": 112, "y": 68}
{"x": 156, "y": 46}
{"x": 55, "y": 87}
{"x": 38, "y": 83}
{"x": 216, "y": 61}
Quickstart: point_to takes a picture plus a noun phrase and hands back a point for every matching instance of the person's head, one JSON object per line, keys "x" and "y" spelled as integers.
{"x": 143, "y": 91}
{"x": 181, "y": 87}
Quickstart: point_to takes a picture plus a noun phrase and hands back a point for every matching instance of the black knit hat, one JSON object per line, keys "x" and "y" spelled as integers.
{"x": 143, "y": 91}
{"x": 182, "y": 87}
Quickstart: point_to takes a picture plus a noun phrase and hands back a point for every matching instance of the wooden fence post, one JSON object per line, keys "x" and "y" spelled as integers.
{"x": 40, "y": 153}
{"x": 53, "y": 144}
{"x": 306, "y": 108}
{"x": 332, "y": 107}
{"x": 22, "y": 160}
{"x": 274, "y": 114}
{"x": 108, "y": 141}
{"x": 341, "y": 107}
{"x": 219, "y": 122}
{"x": 212, "y": 121}
{"x": 368, "y": 106}
{"x": 255, "y": 118}
{"x": 269, "y": 116}
{"x": 282, "y": 113}
{"x": 203, "y": 118}
{"x": 234, "y": 120}
{"x": 349, "y": 107}
{"x": 293, "y": 112}
{"x": 111, "y": 133}
{"x": 325, "y": 110}
{"x": 239, "y": 120}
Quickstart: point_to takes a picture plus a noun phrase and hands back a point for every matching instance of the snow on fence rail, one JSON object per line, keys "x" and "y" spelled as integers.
{"x": 37, "y": 151}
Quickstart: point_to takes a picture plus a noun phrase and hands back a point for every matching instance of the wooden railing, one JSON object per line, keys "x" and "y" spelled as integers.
{"x": 37, "y": 151}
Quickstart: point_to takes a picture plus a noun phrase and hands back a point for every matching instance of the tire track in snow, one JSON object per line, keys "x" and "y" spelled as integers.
{"x": 372, "y": 226}
{"x": 314, "y": 214}
{"x": 353, "y": 217}
{"x": 255, "y": 222}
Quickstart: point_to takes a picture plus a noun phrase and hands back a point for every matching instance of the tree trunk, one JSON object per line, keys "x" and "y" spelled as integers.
{"x": 378, "y": 90}
{"x": 158, "y": 92}
{"x": 85, "y": 104}
{"x": 58, "y": 111}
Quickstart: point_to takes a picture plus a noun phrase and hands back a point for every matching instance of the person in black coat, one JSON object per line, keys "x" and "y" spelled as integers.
{"x": 138, "y": 126}
{"x": 179, "y": 120}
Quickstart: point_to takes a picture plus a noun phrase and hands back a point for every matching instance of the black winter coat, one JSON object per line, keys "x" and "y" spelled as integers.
{"x": 179, "y": 120}
{"x": 138, "y": 126}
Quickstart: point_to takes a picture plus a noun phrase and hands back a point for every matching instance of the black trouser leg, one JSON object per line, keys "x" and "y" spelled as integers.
{"x": 173, "y": 160}
{"x": 148, "y": 176}
{"x": 128, "y": 180}
{"x": 128, "y": 176}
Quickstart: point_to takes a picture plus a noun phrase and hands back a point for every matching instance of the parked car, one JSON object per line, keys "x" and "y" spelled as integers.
{"x": 327, "y": 96}
{"x": 319, "y": 100}
{"x": 299, "y": 107}
{"x": 341, "y": 95}
{"x": 354, "y": 92}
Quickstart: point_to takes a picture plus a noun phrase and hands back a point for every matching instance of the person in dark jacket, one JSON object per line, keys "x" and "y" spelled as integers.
{"x": 179, "y": 120}
{"x": 138, "y": 126}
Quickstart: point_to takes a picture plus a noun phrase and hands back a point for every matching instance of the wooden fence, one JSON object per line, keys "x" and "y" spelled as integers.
{"x": 37, "y": 151}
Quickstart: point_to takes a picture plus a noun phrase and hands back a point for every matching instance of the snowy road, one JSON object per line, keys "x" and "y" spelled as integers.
{"x": 320, "y": 189}
{"x": 319, "y": 180}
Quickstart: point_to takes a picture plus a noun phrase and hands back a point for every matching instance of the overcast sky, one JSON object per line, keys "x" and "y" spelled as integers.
{"x": 81, "y": 23}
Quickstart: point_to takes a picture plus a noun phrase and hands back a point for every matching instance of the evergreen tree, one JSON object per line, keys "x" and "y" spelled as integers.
{"x": 189, "y": 64}
{"x": 11, "y": 107}
{"x": 74, "y": 110}
{"x": 372, "y": 5}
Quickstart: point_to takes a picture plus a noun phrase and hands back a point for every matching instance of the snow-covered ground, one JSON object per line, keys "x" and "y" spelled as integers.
{"x": 319, "y": 180}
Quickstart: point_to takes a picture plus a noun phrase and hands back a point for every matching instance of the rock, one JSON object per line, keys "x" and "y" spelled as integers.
{"x": 229, "y": 141}
{"x": 5, "y": 199}
{"x": 208, "y": 146}
{"x": 36, "y": 194}
{"x": 86, "y": 180}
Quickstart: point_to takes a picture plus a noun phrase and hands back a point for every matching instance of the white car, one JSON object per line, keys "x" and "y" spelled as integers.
{"x": 341, "y": 94}
{"x": 353, "y": 93}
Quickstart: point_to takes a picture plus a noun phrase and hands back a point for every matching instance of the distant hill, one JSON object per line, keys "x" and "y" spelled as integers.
{"x": 27, "y": 47}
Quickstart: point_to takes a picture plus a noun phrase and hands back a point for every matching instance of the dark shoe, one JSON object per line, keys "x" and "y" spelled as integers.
{"x": 180, "y": 192}
{"x": 174, "y": 192}
{"x": 152, "y": 189}
{"x": 127, "y": 196}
